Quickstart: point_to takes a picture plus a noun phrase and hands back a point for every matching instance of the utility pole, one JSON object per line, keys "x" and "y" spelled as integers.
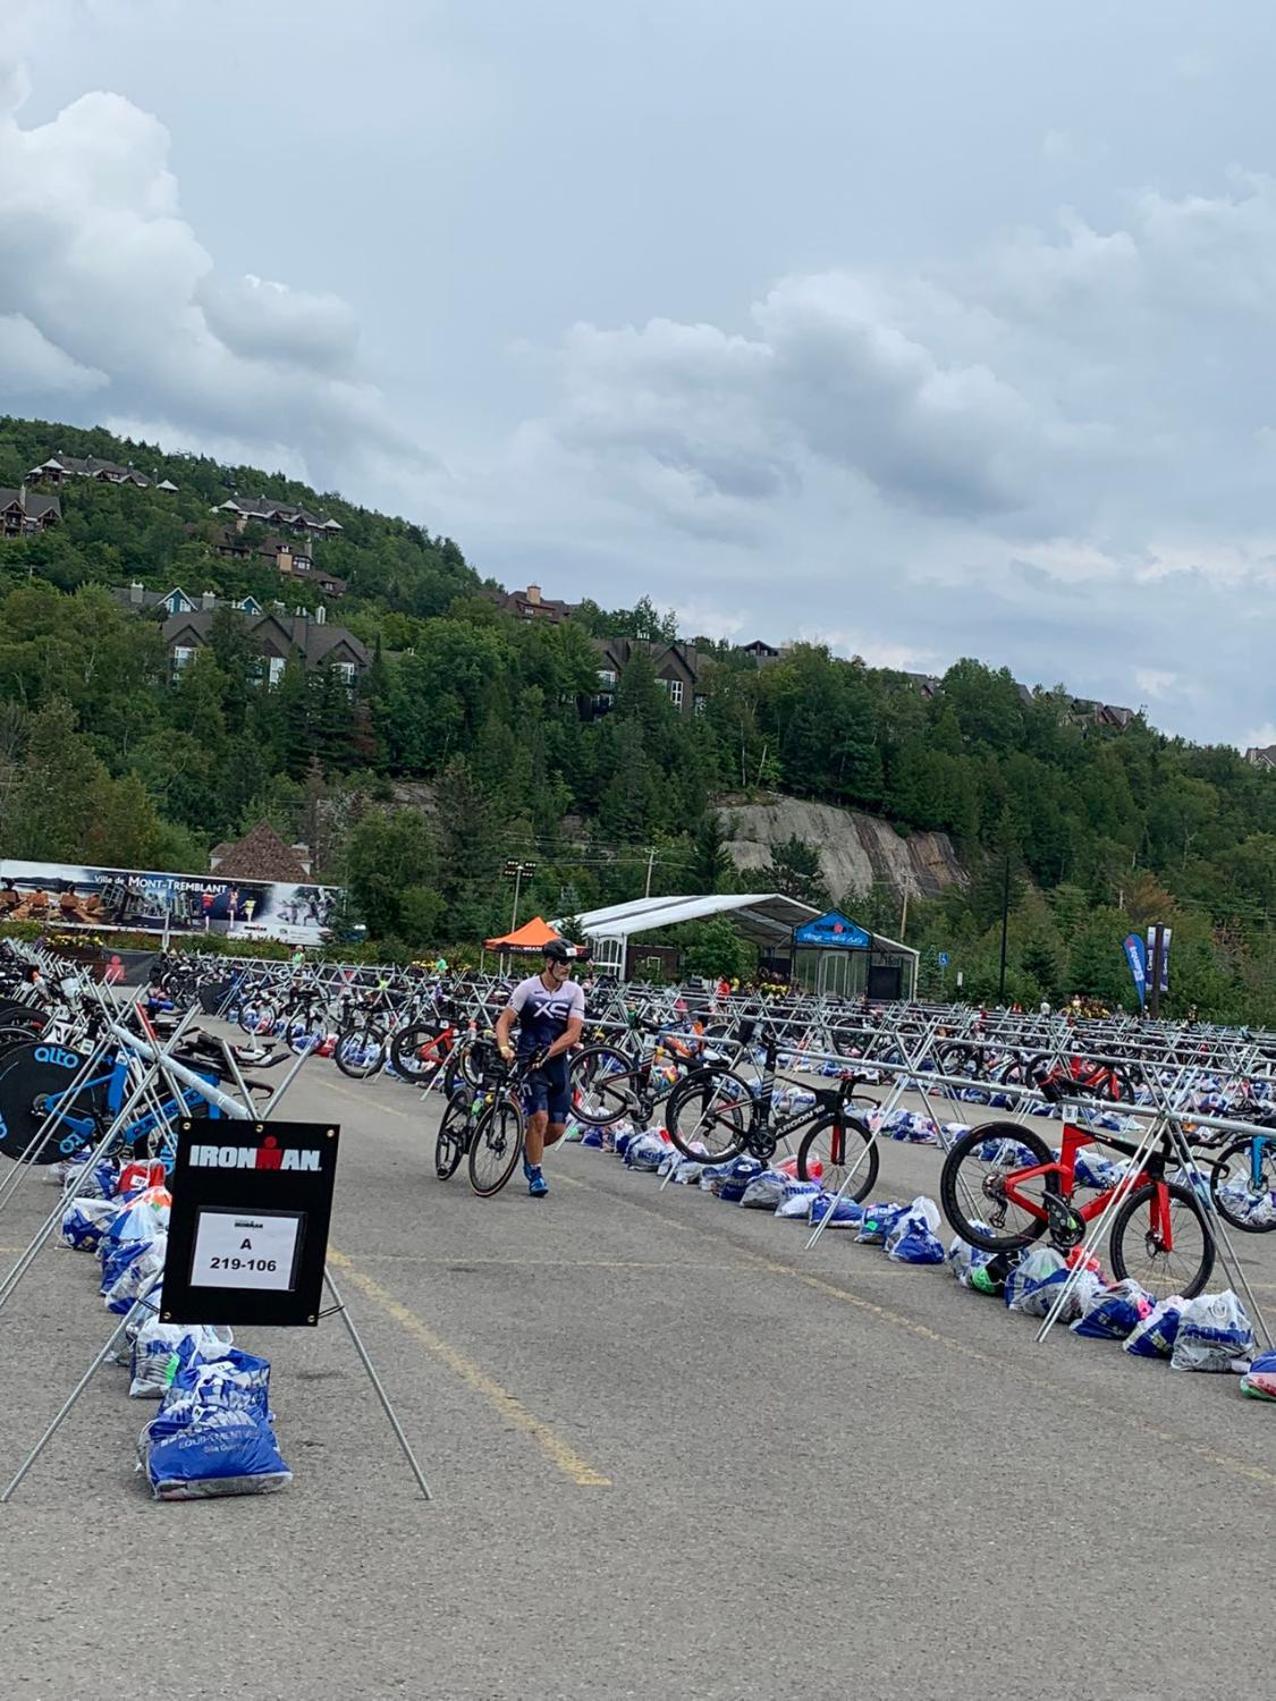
{"x": 517, "y": 872}
{"x": 1005, "y": 923}
{"x": 1158, "y": 957}
{"x": 651, "y": 862}
{"x": 903, "y": 920}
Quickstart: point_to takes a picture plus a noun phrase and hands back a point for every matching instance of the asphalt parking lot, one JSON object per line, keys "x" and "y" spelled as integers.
{"x": 673, "y": 1455}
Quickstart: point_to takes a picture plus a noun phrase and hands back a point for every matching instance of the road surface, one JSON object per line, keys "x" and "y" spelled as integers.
{"x": 674, "y": 1455}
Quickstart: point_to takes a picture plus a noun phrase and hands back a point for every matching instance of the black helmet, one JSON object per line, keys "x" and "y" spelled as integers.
{"x": 558, "y": 951}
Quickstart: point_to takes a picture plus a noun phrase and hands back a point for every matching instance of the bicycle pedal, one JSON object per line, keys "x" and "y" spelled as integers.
{"x": 1067, "y": 1225}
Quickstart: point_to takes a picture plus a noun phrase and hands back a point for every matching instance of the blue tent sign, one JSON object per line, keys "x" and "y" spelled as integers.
{"x": 833, "y": 929}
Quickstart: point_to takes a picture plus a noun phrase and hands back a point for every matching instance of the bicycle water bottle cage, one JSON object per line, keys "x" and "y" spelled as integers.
{"x": 1067, "y": 1226}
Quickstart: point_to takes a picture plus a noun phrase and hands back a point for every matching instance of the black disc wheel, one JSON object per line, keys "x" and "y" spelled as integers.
{"x": 1167, "y": 1247}
{"x": 496, "y": 1146}
{"x": 973, "y": 1180}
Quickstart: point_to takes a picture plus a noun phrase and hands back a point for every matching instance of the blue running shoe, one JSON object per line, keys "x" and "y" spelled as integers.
{"x": 528, "y": 1171}
{"x": 537, "y": 1186}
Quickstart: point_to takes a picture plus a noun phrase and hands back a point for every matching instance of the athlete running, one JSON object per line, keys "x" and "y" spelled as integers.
{"x": 551, "y": 1011}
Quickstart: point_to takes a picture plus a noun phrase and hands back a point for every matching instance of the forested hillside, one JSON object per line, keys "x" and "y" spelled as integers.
{"x": 105, "y": 756}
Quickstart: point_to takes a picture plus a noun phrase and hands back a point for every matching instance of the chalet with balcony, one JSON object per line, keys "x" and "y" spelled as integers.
{"x": 270, "y": 511}
{"x": 276, "y": 635}
{"x": 531, "y": 605}
{"x": 679, "y": 671}
{"x": 60, "y": 468}
{"x": 25, "y": 513}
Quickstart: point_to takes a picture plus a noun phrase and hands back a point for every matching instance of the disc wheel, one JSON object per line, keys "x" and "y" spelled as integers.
{"x": 839, "y": 1145}
{"x": 707, "y": 1117}
{"x": 1138, "y": 1249}
{"x": 495, "y": 1147}
{"x": 30, "y": 1087}
{"x": 972, "y": 1186}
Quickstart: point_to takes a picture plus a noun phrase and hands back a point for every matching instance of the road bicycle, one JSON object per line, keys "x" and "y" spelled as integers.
{"x": 1002, "y": 1188}
{"x": 496, "y": 1139}
{"x": 628, "y": 1077}
{"x": 1243, "y": 1175}
{"x": 715, "y": 1115}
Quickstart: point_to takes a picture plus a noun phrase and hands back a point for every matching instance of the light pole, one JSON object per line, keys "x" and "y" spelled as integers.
{"x": 517, "y": 872}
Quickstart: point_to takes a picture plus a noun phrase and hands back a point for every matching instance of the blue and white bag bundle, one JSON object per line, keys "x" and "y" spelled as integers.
{"x": 213, "y": 1434}
{"x": 766, "y": 1192}
{"x": 1155, "y": 1336}
{"x": 913, "y": 1239}
{"x": 841, "y": 1213}
{"x": 1033, "y": 1285}
{"x": 644, "y": 1151}
{"x": 877, "y": 1222}
{"x": 797, "y": 1199}
{"x": 1115, "y": 1312}
{"x": 1214, "y": 1334}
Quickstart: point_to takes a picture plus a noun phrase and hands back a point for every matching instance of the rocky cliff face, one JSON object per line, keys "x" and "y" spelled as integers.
{"x": 856, "y": 851}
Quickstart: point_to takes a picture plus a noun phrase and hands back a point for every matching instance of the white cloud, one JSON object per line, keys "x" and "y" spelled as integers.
{"x": 105, "y": 290}
{"x": 1155, "y": 681}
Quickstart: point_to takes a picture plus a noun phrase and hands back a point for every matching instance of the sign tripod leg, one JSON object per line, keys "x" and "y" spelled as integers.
{"x": 377, "y": 1386}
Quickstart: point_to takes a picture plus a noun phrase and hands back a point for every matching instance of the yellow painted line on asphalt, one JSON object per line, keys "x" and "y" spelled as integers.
{"x": 896, "y": 1320}
{"x": 561, "y": 1454}
{"x": 366, "y": 1101}
{"x": 464, "y": 1261}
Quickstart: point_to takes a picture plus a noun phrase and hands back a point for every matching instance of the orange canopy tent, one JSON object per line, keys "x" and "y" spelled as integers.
{"x": 534, "y": 935}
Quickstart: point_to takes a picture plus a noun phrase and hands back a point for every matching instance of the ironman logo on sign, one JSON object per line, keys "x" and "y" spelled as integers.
{"x": 266, "y": 1156}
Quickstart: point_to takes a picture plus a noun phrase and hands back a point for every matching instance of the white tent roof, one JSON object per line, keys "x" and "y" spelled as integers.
{"x": 764, "y": 916}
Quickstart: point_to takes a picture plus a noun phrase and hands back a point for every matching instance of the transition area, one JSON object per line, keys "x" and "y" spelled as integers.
{"x": 673, "y": 1455}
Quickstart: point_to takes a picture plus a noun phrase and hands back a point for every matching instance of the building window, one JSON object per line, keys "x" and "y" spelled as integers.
{"x": 675, "y": 693}
{"x": 700, "y": 703}
{"x": 275, "y": 670}
{"x": 345, "y": 671}
{"x": 182, "y": 654}
{"x": 607, "y": 678}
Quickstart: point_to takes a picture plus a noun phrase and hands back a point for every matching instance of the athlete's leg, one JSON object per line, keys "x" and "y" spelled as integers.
{"x": 534, "y": 1138}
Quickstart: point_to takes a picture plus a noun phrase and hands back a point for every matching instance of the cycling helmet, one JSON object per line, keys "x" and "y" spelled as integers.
{"x": 558, "y": 951}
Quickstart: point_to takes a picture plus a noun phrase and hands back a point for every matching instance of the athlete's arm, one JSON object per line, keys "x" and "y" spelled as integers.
{"x": 505, "y": 1021}
{"x": 569, "y": 1037}
{"x": 575, "y": 1021}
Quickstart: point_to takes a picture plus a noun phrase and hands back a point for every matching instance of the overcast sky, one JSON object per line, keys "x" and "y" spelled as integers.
{"x": 920, "y": 329}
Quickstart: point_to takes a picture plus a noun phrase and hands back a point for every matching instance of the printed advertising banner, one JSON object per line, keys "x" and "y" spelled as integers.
{"x": 149, "y": 902}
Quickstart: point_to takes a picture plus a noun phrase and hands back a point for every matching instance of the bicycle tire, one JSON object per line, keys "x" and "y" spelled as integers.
{"x": 1240, "y": 1147}
{"x": 359, "y": 1066}
{"x": 701, "y": 1091}
{"x": 450, "y": 1142}
{"x": 494, "y": 1135}
{"x": 406, "y": 1046}
{"x": 584, "y": 1069}
{"x": 1117, "y": 1248}
{"x": 953, "y": 1190}
{"x": 831, "y": 1172}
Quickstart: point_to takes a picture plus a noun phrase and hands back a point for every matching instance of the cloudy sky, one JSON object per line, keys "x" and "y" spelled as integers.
{"x": 919, "y": 329}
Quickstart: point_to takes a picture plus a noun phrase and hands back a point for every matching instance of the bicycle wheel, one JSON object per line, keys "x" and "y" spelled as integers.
{"x": 839, "y": 1144}
{"x": 415, "y": 1052}
{"x": 360, "y": 1051}
{"x": 708, "y": 1116}
{"x": 1137, "y": 1246}
{"x": 1243, "y": 1202}
{"x": 602, "y": 1085}
{"x": 495, "y": 1147}
{"x": 304, "y": 1033}
{"x": 972, "y": 1186}
{"x": 449, "y": 1146}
